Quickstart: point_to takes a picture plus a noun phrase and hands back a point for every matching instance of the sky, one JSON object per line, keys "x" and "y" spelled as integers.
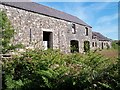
{"x": 102, "y": 16}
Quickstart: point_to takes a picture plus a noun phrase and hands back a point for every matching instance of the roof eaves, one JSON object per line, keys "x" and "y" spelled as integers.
{"x": 46, "y": 14}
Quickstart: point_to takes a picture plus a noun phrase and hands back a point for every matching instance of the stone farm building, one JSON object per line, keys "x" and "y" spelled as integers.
{"x": 100, "y": 41}
{"x": 43, "y": 27}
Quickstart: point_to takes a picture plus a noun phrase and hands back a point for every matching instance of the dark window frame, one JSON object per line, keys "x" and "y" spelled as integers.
{"x": 74, "y": 28}
{"x": 86, "y": 31}
{"x": 93, "y": 44}
{"x": 30, "y": 34}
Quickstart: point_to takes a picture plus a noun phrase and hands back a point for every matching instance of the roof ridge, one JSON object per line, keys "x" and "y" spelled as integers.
{"x": 100, "y": 36}
{"x": 54, "y": 9}
{"x": 45, "y": 10}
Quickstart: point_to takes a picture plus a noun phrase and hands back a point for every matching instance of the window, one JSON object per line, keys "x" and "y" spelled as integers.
{"x": 86, "y": 31}
{"x": 92, "y": 44}
{"x": 30, "y": 36}
{"x": 73, "y": 29}
{"x": 95, "y": 44}
{"x": 94, "y": 37}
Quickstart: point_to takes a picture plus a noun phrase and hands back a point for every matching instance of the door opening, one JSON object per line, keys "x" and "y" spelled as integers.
{"x": 86, "y": 46}
{"x": 102, "y": 45}
{"x": 47, "y": 40}
{"x": 74, "y": 46}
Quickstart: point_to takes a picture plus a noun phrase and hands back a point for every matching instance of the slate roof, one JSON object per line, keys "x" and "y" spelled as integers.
{"x": 100, "y": 37}
{"x": 41, "y": 9}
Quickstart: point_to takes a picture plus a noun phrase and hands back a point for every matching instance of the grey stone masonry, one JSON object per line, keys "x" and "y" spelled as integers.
{"x": 100, "y": 42}
{"x": 29, "y": 27}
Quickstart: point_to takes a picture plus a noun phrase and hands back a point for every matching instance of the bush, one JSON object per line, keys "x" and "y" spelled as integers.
{"x": 6, "y": 33}
{"x": 116, "y": 45}
{"x": 53, "y": 70}
{"x": 86, "y": 46}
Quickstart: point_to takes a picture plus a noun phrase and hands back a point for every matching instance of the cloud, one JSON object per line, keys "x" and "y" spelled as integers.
{"x": 111, "y": 30}
{"x": 84, "y": 11}
{"x": 107, "y": 25}
{"x": 107, "y": 19}
{"x": 98, "y": 6}
{"x": 93, "y": 14}
{"x": 87, "y": 11}
{"x": 107, "y": 29}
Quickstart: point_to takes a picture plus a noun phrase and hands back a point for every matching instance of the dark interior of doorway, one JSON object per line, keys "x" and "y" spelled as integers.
{"x": 74, "y": 46}
{"x": 102, "y": 45}
{"x": 47, "y": 36}
{"x": 86, "y": 46}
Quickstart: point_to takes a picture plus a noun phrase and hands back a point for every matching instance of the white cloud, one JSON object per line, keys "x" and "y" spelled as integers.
{"x": 107, "y": 29}
{"x": 107, "y": 19}
{"x": 87, "y": 12}
{"x": 98, "y": 6}
{"x": 111, "y": 31}
{"x": 108, "y": 26}
{"x": 102, "y": 24}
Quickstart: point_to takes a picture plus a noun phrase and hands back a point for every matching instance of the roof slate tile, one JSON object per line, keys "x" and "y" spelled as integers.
{"x": 38, "y": 8}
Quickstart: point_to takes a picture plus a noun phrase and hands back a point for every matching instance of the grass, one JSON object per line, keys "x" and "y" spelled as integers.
{"x": 110, "y": 53}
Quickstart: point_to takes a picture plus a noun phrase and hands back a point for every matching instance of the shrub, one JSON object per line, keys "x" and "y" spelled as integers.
{"x": 86, "y": 46}
{"x": 53, "y": 70}
{"x": 116, "y": 44}
{"x": 6, "y": 33}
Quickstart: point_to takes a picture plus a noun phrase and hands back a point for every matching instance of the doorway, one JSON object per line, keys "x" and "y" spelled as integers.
{"x": 102, "y": 45}
{"x": 86, "y": 46}
{"x": 74, "y": 44}
{"x": 47, "y": 40}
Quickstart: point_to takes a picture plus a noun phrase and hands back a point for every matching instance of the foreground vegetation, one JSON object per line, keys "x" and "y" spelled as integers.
{"x": 116, "y": 44}
{"x": 6, "y": 34}
{"x": 109, "y": 53}
{"x": 53, "y": 70}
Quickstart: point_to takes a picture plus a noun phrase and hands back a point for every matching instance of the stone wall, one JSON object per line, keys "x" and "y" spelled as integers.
{"x": 106, "y": 44}
{"x": 25, "y": 21}
{"x": 95, "y": 41}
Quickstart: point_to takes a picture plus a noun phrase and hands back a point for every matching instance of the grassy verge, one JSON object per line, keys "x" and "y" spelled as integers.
{"x": 110, "y": 53}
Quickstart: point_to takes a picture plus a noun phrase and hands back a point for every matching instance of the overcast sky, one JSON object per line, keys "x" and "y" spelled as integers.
{"x": 102, "y": 16}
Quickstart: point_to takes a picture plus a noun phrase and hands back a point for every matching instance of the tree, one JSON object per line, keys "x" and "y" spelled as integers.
{"x": 6, "y": 33}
